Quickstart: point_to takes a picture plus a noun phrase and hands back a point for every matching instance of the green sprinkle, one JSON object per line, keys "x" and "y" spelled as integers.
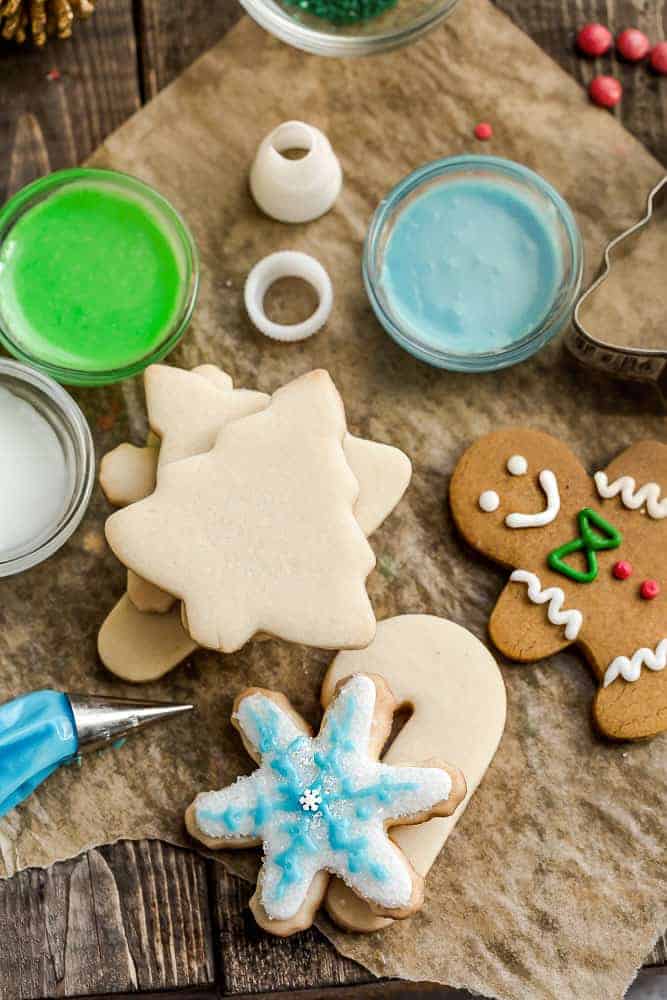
{"x": 388, "y": 567}
{"x": 343, "y": 11}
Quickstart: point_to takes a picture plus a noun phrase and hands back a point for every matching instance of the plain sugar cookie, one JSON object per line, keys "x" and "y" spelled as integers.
{"x": 259, "y": 534}
{"x": 455, "y": 690}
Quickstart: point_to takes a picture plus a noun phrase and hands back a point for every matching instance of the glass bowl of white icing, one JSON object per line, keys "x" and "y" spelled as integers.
{"x": 399, "y": 24}
{"x": 47, "y": 467}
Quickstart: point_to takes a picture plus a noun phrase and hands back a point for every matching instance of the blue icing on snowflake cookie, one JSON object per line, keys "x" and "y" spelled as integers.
{"x": 322, "y": 803}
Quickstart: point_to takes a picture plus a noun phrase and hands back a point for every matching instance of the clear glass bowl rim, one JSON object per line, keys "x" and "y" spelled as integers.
{"x": 329, "y": 43}
{"x": 28, "y": 196}
{"x": 518, "y": 350}
{"x": 77, "y": 425}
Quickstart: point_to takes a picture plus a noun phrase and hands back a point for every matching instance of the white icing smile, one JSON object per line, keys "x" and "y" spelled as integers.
{"x": 549, "y": 484}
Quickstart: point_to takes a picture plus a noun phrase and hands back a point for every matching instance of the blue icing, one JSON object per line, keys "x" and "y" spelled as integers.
{"x": 471, "y": 266}
{"x": 37, "y": 735}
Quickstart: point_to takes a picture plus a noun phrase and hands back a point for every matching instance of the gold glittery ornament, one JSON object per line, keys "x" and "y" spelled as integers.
{"x": 38, "y": 19}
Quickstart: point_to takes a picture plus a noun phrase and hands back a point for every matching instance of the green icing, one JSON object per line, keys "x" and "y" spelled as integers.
{"x": 91, "y": 278}
{"x": 595, "y": 535}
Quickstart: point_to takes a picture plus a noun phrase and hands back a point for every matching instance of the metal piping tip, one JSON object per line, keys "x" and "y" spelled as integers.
{"x": 102, "y": 721}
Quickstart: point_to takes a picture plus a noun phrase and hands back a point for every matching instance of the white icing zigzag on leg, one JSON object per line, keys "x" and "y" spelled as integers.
{"x": 572, "y": 619}
{"x": 631, "y": 667}
{"x": 632, "y": 496}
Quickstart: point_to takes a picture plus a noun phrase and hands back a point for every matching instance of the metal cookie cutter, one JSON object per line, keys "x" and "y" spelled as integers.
{"x": 637, "y": 363}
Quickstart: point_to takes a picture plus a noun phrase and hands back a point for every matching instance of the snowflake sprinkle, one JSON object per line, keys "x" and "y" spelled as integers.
{"x": 311, "y": 800}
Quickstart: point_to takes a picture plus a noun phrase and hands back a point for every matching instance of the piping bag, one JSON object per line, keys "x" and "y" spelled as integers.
{"x": 44, "y": 729}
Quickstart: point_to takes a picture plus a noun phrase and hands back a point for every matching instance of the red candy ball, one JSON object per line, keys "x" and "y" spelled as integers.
{"x": 650, "y": 589}
{"x": 605, "y": 91}
{"x": 622, "y": 569}
{"x": 658, "y": 58}
{"x": 483, "y": 131}
{"x": 594, "y": 40}
{"x": 633, "y": 45}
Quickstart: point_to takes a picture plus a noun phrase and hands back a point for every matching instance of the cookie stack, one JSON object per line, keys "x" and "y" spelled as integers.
{"x": 250, "y": 510}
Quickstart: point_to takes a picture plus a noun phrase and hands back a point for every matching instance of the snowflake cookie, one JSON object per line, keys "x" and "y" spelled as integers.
{"x": 321, "y": 805}
{"x": 588, "y": 556}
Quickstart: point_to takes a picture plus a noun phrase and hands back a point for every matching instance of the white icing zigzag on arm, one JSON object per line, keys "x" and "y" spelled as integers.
{"x": 630, "y": 668}
{"x": 572, "y": 619}
{"x": 632, "y": 496}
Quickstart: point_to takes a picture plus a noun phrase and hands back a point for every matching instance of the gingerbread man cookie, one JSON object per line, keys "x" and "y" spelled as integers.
{"x": 587, "y": 555}
{"x": 321, "y": 805}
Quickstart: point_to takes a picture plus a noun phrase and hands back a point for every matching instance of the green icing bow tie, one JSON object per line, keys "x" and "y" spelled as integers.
{"x": 595, "y": 534}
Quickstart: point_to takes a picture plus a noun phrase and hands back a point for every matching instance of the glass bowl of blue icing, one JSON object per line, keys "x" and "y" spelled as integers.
{"x": 473, "y": 263}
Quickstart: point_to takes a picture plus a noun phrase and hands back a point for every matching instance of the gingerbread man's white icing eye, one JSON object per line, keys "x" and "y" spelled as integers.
{"x": 489, "y": 501}
{"x": 517, "y": 465}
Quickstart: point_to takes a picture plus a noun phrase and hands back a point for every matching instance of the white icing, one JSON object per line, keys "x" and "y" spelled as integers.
{"x": 631, "y": 496}
{"x": 629, "y": 668}
{"x": 517, "y": 465}
{"x": 571, "y": 619}
{"x": 356, "y": 795}
{"x": 549, "y": 484}
{"x": 489, "y": 501}
{"x": 33, "y": 474}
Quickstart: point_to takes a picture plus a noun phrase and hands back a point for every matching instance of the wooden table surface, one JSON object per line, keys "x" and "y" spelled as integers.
{"x": 146, "y": 917}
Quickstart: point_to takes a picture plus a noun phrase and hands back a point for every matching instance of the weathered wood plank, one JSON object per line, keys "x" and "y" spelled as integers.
{"x": 658, "y": 955}
{"x": 253, "y": 961}
{"x": 553, "y": 26}
{"x": 48, "y": 124}
{"x": 122, "y": 918}
{"x": 172, "y": 33}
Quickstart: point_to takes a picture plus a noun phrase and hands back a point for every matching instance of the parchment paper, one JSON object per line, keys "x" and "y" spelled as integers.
{"x": 552, "y": 885}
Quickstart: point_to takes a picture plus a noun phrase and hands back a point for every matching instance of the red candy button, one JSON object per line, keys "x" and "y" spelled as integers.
{"x": 650, "y": 589}
{"x": 658, "y": 58}
{"x": 594, "y": 40}
{"x": 605, "y": 91}
{"x": 633, "y": 45}
{"x": 622, "y": 569}
{"x": 483, "y": 131}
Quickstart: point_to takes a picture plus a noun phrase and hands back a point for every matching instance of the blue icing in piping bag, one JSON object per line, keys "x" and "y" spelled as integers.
{"x": 44, "y": 729}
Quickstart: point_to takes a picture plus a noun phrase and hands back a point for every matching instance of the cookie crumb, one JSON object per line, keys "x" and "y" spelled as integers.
{"x": 93, "y": 541}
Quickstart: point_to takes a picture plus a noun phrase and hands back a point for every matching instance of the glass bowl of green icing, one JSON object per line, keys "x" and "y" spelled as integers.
{"x": 348, "y": 27}
{"x": 98, "y": 276}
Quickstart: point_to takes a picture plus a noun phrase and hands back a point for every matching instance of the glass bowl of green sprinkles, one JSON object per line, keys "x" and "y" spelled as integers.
{"x": 348, "y": 27}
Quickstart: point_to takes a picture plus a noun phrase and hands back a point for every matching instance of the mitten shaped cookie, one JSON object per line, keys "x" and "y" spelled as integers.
{"x": 587, "y": 554}
{"x": 321, "y": 805}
